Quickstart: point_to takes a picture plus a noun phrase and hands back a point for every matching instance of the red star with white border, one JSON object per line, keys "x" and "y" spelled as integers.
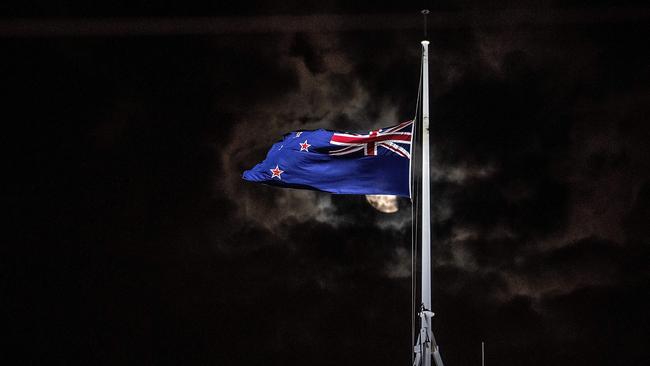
{"x": 276, "y": 172}
{"x": 304, "y": 146}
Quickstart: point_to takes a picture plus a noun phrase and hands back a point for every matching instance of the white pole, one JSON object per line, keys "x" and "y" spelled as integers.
{"x": 482, "y": 353}
{"x": 426, "y": 348}
{"x": 426, "y": 204}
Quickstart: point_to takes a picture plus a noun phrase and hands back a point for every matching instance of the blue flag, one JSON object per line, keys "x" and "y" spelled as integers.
{"x": 344, "y": 163}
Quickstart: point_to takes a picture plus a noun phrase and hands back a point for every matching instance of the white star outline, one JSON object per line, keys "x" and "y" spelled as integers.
{"x": 276, "y": 172}
{"x": 304, "y": 146}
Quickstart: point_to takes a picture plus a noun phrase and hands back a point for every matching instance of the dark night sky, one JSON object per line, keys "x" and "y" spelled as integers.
{"x": 133, "y": 240}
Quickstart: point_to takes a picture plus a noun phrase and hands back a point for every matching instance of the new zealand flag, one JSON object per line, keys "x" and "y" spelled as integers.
{"x": 344, "y": 163}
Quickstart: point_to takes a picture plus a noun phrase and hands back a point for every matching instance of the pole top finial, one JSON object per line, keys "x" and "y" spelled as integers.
{"x": 425, "y": 12}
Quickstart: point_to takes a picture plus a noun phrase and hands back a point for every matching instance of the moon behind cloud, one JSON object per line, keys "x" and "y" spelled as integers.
{"x": 383, "y": 203}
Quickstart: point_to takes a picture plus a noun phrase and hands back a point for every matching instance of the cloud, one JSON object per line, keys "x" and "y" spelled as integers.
{"x": 334, "y": 99}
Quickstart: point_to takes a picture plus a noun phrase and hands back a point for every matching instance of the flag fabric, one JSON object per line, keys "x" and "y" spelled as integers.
{"x": 377, "y": 162}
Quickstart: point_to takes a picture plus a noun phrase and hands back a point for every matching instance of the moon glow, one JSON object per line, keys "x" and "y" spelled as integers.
{"x": 383, "y": 203}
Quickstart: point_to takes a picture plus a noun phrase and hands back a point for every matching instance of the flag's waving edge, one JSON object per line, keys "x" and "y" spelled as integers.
{"x": 377, "y": 162}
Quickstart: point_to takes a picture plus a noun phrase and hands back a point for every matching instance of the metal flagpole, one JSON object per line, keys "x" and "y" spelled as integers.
{"x": 426, "y": 347}
{"x": 482, "y": 353}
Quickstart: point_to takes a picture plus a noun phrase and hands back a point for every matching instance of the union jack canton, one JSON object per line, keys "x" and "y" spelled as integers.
{"x": 388, "y": 138}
